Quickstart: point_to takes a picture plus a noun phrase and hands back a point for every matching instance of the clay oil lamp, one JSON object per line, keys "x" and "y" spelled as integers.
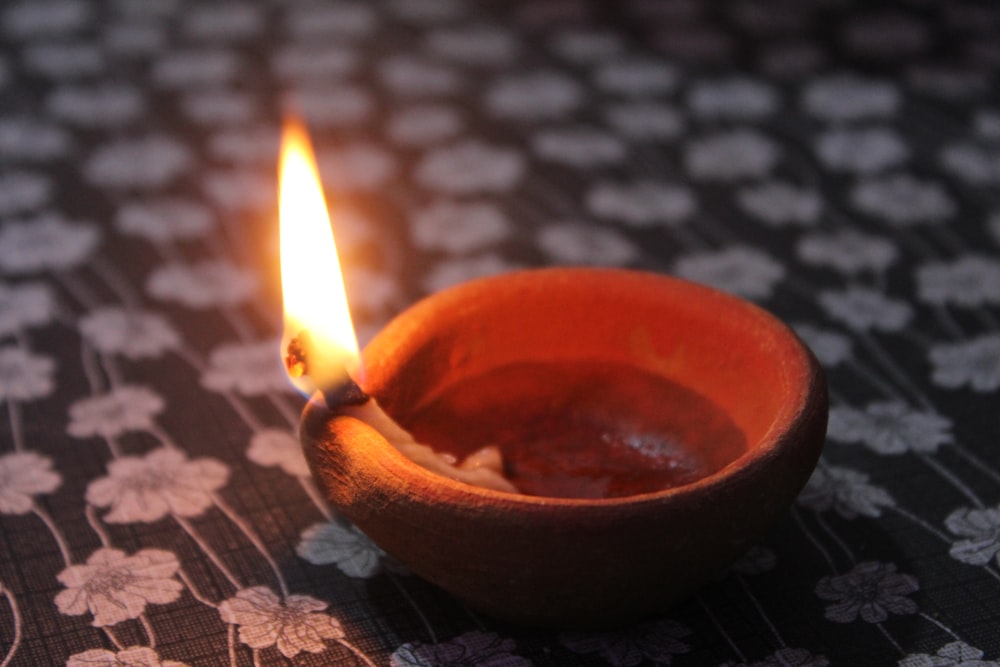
{"x": 556, "y": 447}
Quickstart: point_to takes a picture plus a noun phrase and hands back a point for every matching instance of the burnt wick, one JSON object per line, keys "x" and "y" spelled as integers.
{"x": 296, "y": 359}
{"x": 483, "y": 468}
{"x": 297, "y": 355}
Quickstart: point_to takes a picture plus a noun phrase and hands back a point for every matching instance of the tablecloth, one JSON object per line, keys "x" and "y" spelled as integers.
{"x": 835, "y": 162}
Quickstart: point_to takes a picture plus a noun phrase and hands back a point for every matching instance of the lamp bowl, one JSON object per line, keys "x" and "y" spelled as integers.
{"x": 577, "y": 562}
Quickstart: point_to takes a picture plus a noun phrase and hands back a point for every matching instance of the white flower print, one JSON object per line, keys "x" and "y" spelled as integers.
{"x": 847, "y": 97}
{"x": 642, "y": 204}
{"x": 221, "y": 107}
{"x": 733, "y": 99}
{"x": 342, "y": 545}
{"x": 780, "y": 204}
{"x": 45, "y": 18}
{"x": 981, "y": 530}
{"x": 207, "y": 284}
{"x": 22, "y": 191}
{"x": 24, "y": 305}
{"x": 578, "y": 243}
{"x": 124, "y": 408}
{"x": 23, "y": 475}
{"x": 645, "y": 120}
{"x": 335, "y": 106}
{"x": 165, "y": 220}
{"x": 98, "y": 105}
{"x": 832, "y": 349}
{"x": 250, "y": 369}
{"x": 740, "y": 270}
{"x": 191, "y": 68}
{"x": 972, "y": 280}
{"x": 149, "y": 162}
{"x": 424, "y": 125}
{"x": 32, "y": 140}
{"x": 977, "y": 165}
{"x": 849, "y": 252}
{"x": 63, "y": 60}
{"x": 480, "y": 45}
{"x": 134, "y": 334}
{"x": 974, "y": 362}
{"x": 535, "y": 96}
{"x": 845, "y": 491}
{"x": 459, "y": 227}
{"x": 45, "y": 243}
{"x": 24, "y": 376}
{"x": 240, "y": 190}
{"x": 133, "y": 656}
{"x": 272, "y": 447}
{"x": 257, "y": 144}
{"x": 586, "y": 46}
{"x": 861, "y": 151}
{"x": 301, "y": 62}
{"x": 890, "y": 427}
{"x": 414, "y": 77}
{"x": 115, "y": 587}
{"x": 731, "y": 155}
{"x": 470, "y": 166}
{"x": 293, "y": 626}
{"x": 222, "y": 22}
{"x": 147, "y": 488}
{"x": 578, "y": 147}
{"x": 756, "y": 561}
{"x": 870, "y": 590}
{"x": 864, "y": 309}
{"x": 454, "y": 271}
{"x": 342, "y": 19}
{"x": 636, "y": 78}
{"x": 903, "y": 200}
{"x": 356, "y": 166}
{"x": 657, "y": 641}
{"x": 472, "y": 649}
{"x": 953, "y": 654}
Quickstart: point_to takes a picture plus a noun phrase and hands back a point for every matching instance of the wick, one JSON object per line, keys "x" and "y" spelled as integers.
{"x": 348, "y": 393}
{"x": 297, "y": 363}
{"x": 296, "y": 356}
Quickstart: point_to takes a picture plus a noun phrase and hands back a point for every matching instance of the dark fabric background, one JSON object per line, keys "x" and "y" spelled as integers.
{"x": 835, "y": 162}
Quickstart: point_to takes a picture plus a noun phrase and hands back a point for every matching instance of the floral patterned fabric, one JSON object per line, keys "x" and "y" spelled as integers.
{"x": 836, "y": 162}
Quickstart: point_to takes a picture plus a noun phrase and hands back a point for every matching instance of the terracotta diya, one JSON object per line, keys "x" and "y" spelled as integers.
{"x": 654, "y": 428}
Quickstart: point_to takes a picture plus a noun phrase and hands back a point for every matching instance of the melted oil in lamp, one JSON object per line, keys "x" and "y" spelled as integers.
{"x": 555, "y": 447}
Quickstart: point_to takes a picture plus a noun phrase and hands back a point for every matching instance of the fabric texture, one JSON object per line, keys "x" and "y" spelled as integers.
{"x": 837, "y": 163}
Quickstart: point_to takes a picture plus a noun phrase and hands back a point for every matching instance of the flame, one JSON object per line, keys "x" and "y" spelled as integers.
{"x": 318, "y": 328}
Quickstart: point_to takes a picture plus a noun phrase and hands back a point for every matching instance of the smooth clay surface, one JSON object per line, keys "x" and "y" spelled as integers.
{"x": 570, "y": 562}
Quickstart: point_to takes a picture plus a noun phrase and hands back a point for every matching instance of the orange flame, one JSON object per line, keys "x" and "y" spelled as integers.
{"x": 317, "y": 318}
